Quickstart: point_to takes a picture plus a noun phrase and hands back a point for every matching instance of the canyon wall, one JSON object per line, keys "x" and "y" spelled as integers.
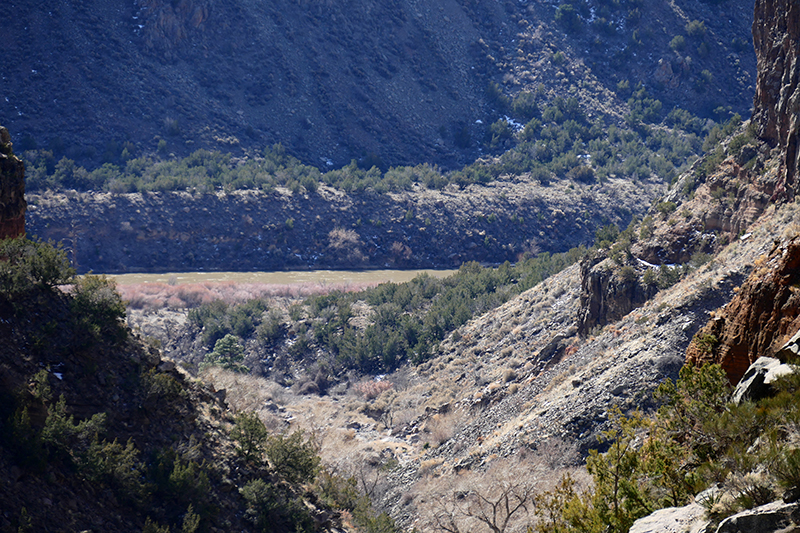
{"x": 281, "y": 230}
{"x": 776, "y": 34}
{"x": 766, "y": 310}
{"x": 12, "y": 189}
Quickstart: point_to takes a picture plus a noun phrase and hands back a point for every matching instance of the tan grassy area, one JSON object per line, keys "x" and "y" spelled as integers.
{"x": 151, "y": 296}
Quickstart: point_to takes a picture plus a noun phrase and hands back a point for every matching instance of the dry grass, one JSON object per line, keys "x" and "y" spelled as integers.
{"x": 245, "y": 392}
{"x": 440, "y": 428}
{"x": 158, "y": 295}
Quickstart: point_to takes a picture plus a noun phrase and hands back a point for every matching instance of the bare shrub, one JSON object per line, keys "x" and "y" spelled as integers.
{"x": 245, "y": 392}
{"x": 497, "y": 500}
{"x": 346, "y": 242}
{"x": 403, "y": 417}
{"x": 427, "y": 466}
{"x": 440, "y": 428}
{"x": 372, "y": 389}
{"x": 151, "y": 296}
{"x": 340, "y": 238}
{"x": 191, "y": 296}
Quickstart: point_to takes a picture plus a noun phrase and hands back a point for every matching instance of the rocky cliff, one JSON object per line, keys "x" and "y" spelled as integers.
{"x": 776, "y": 33}
{"x": 256, "y": 230}
{"x": 760, "y": 318}
{"x": 766, "y": 310}
{"x": 714, "y": 204}
{"x": 609, "y": 292}
{"x": 12, "y": 189}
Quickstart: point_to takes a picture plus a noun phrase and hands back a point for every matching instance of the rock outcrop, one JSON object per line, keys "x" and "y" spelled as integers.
{"x": 725, "y": 203}
{"x": 280, "y": 230}
{"x": 776, "y": 33}
{"x": 773, "y": 517}
{"x": 757, "y": 381}
{"x": 759, "y": 319}
{"x": 720, "y": 209}
{"x": 12, "y": 189}
{"x": 609, "y": 292}
{"x": 690, "y": 518}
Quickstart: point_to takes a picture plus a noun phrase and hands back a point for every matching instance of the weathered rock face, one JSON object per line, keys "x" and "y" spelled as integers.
{"x": 776, "y": 33}
{"x": 609, "y": 292}
{"x": 759, "y": 319}
{"x": 12, "y": 189}
{"x": 770, "y": 518}
{"x": 721, "y": 208}
{"x": 279, "y": 230}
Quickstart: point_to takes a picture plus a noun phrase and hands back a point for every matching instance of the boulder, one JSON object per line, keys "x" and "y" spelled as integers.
{"x": 773, "y": 517}
{"x": 790, "y": 350}
{"x": 757, "y": 381}
{"x": 690, "y": 518}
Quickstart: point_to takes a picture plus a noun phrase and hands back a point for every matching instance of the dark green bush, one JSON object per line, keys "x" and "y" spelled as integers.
{"x": 27, "y": 264}
{"x": 66, "y": 438}
{"x": 251, "y": 436}
{"x": 293, "y": 457}
{"x": 98, "y": 308}
{"x": 275, "y": 510}
{"x": 227, "y": 353}
{"x": 119, "y": 467}
{"x": 568, "y": 17}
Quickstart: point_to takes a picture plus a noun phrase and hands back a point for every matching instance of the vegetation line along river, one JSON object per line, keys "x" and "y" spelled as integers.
{"x": 282, "y": 277}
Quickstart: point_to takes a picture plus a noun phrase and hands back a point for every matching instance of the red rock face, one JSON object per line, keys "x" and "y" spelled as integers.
{"x": 12, "y": 190}
{"x": 776, "y": 35}
{"x": 766, "y": 310}
{"x": 760, "y": 318}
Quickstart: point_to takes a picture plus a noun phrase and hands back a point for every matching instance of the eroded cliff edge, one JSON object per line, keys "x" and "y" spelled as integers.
{"x": 12, "y": 189}
{"x": 776, "y": 34}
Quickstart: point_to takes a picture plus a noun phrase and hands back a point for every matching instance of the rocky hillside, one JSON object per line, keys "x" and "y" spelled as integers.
{"x": 384, "y": 82}
{"x": 527, "y": 387}
{"x": 255, "y": 230}
{"x": 99, "y": 433}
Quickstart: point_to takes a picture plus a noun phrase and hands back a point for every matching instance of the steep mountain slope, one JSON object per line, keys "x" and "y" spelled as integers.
{"x": 386, "y": 82}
